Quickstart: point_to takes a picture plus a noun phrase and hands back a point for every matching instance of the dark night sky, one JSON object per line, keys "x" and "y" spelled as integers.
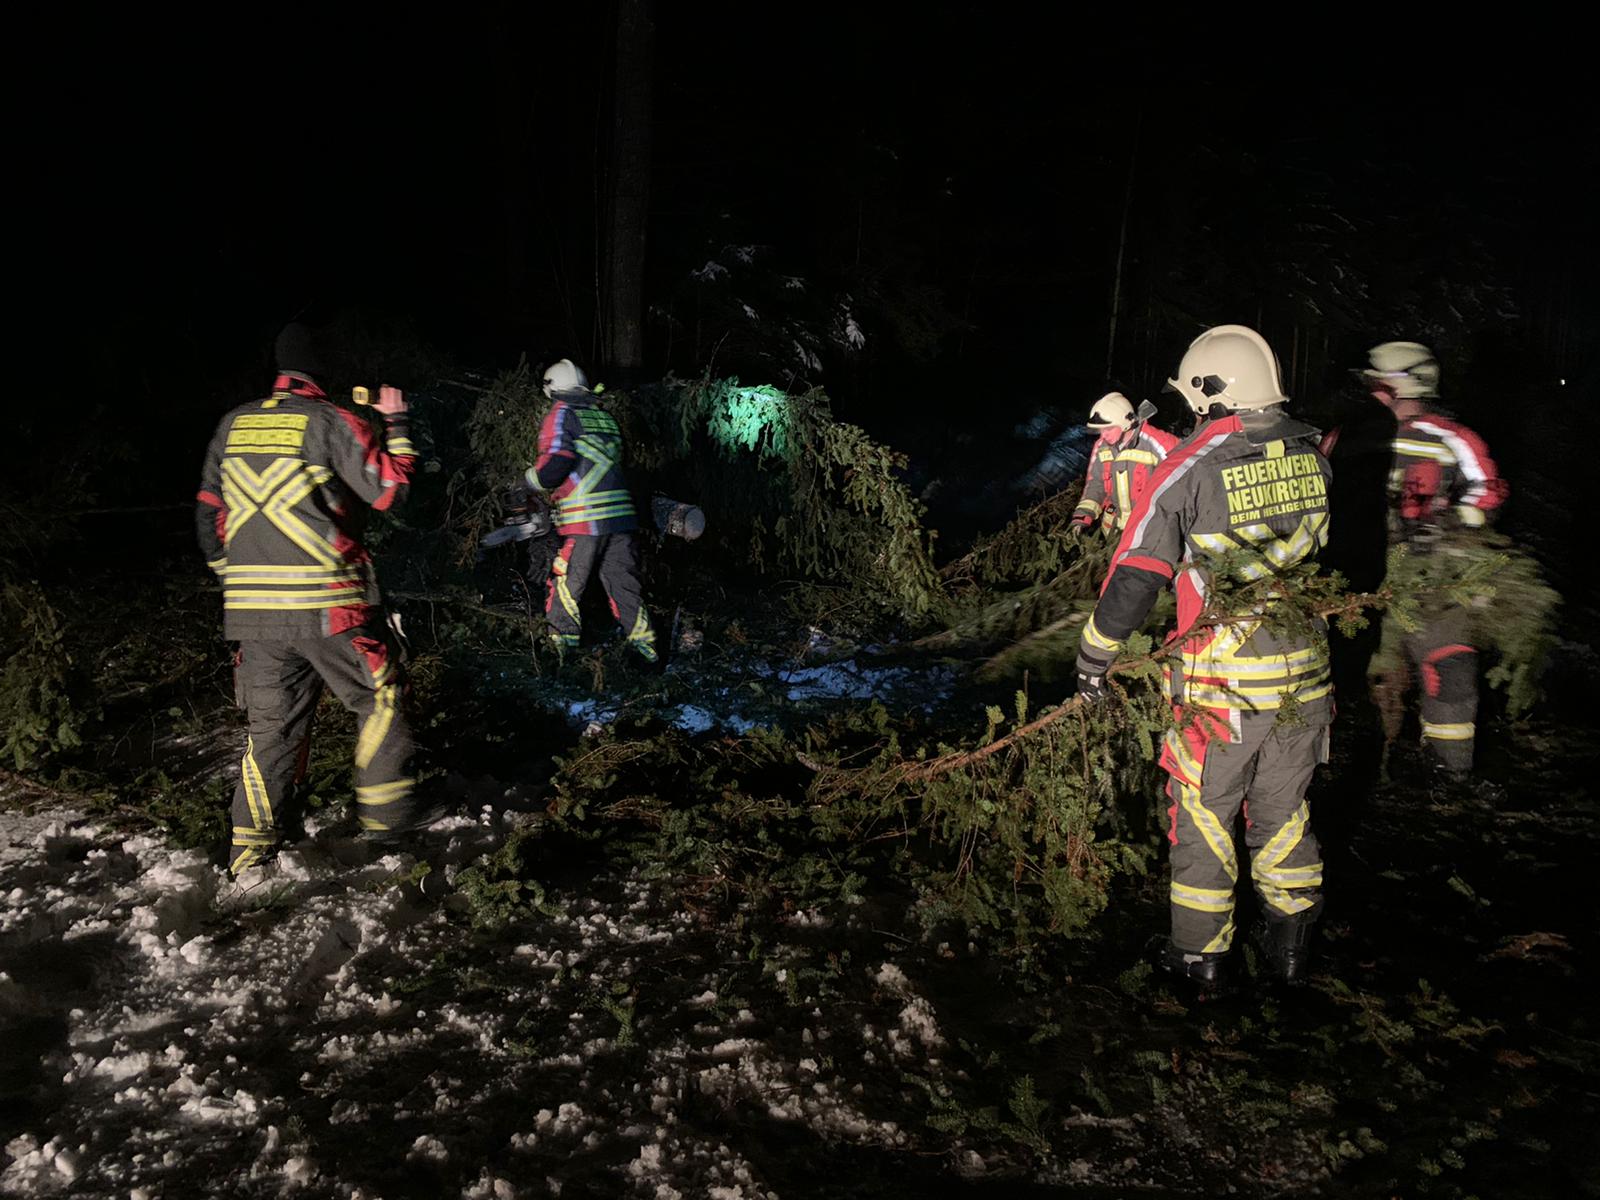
{"x": 394, "y": 166}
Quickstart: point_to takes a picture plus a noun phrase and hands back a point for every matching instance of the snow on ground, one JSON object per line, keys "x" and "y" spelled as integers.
{"x": 728, "y": 705}
{"x": 328, "y": 1029}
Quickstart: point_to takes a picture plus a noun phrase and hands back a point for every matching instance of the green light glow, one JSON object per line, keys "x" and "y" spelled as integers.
{"x": 752, "y": 418}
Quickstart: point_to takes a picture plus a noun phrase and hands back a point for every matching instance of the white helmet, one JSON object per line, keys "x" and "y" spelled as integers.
{"x": 1408, "y": 369}
{"x": 564, "y": 376}
{"x": 1111, "y": 410}
{"x": 1231, "y": 365}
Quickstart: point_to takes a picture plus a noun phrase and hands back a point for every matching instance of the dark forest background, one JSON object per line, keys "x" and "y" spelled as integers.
{"x": 945, "y": 211}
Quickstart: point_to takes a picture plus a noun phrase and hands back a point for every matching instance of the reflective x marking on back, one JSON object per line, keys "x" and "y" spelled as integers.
{"x": 273, "y": 492}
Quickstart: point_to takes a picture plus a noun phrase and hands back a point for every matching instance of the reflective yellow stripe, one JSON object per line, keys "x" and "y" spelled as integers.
{"x": 1137, "y": 456}
{"x": 1217, "y": 900}
{"x": 1263, "y": 691}
{"x": 384, "y": 793}
{"x": 246, "y": 858}
{"x": 289, "y": 593}
{"x": 248, "y": 577}
{"x": 1210, "y": 829}
{"x": 1462, "y": 731}
{"x": 1093, "y": 636}
{"x": 1266, "y": 868}
{"x": 298, "y": 572}
{"x": 564, "y": 595}
{"x": 401, "y": 447}
{"x": 255, "y": 787}
{"x": 1223, "y": 940}
{"x": 575, "y": 514}
{"x": 372, "y": 823}
{"x": 1256, "y": 700}
{"x": 339, "y": 600}
{"x": 219, "y": 565}
{"x": 376, "y": 727}
{"x": 277, "y": 510}
{"x": 1287, "y": 666}
{"x": 1092, "y": 507}
{"x": 1471, "y": 515}
{"x": 1290, "y": 876}
{"x": 642, "y": 632}
{"x": 1186, "y": 762}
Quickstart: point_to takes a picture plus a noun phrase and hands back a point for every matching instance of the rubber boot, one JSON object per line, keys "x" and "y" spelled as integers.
{"x": 1285, "y": 945}
{"x": 431, "y": 811}
{"x": 1204, "y": 972}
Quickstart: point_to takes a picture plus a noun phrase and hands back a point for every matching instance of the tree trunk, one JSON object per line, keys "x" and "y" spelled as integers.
{"x": 1122, "y": 247}
{"x": 630, "y": 187}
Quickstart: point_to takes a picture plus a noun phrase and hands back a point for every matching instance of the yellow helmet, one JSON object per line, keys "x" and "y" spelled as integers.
{"x": 1408, "y": 369}
{"x": 1231, "y": 365}
{"x": 1111, "y": 410}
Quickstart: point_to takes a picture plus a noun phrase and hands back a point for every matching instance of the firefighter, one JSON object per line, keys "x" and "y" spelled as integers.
{"x": 580, "y": 467}
{"x": 283, "y": 498}
{"x": 1441, "y": 479}
{"x": 1249, "y": 479}
{"x": 1120, "y": 465}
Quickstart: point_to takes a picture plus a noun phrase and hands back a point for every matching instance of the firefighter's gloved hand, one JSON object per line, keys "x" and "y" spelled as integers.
{"x": 1092, "y": 678}
{"x": 1078, "y": 527}
{"x": 391, "y": 401}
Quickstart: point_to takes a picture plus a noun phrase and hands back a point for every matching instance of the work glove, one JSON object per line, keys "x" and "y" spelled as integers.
{"x": 1079, "y": 526}
{"x": 1091, "y": 673}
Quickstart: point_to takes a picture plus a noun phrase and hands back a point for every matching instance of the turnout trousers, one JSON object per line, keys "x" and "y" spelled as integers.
{"x": 616, "y": 557}
{"x": 1214, "y": 777}
{"x": 1447, "y": 664}
{"x": 280, "y": 683}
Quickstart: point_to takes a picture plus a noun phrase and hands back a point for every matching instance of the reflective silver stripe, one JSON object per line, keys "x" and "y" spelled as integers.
{"x": 1465, "y": 458}
{"x": 1188, "y": 464}
{"x": 1218, "y": 900}
{"x": 1423, "y": 450}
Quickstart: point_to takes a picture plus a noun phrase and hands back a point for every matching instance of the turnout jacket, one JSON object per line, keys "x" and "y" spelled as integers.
{"x": 580, "y": 466}
{"x": 282, "y": 505}
{"x": 1253, "y": 481}
{"x": 1439, "y": 466}
{"x": 1118, "y": 475}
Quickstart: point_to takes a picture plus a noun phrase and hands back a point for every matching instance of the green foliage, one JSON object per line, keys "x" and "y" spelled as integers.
{"x": 503, "y": 430}
{"x": 1023, "y": 832}
{"x": 1034, "y": 547}
{"x": 194, "y": 816}
{"x": 1510, "y": 610}
{"x": 496, "y": 889}
{"x": 502, "y": 443}
{"x": 783, "y": 484}
{"x": 833, "y": 509}
{"x": 39, "y": 714}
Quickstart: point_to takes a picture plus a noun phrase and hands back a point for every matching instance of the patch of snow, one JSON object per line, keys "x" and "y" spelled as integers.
{"x": 428, "y": 1149}
{"x": 892, "y": 979}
